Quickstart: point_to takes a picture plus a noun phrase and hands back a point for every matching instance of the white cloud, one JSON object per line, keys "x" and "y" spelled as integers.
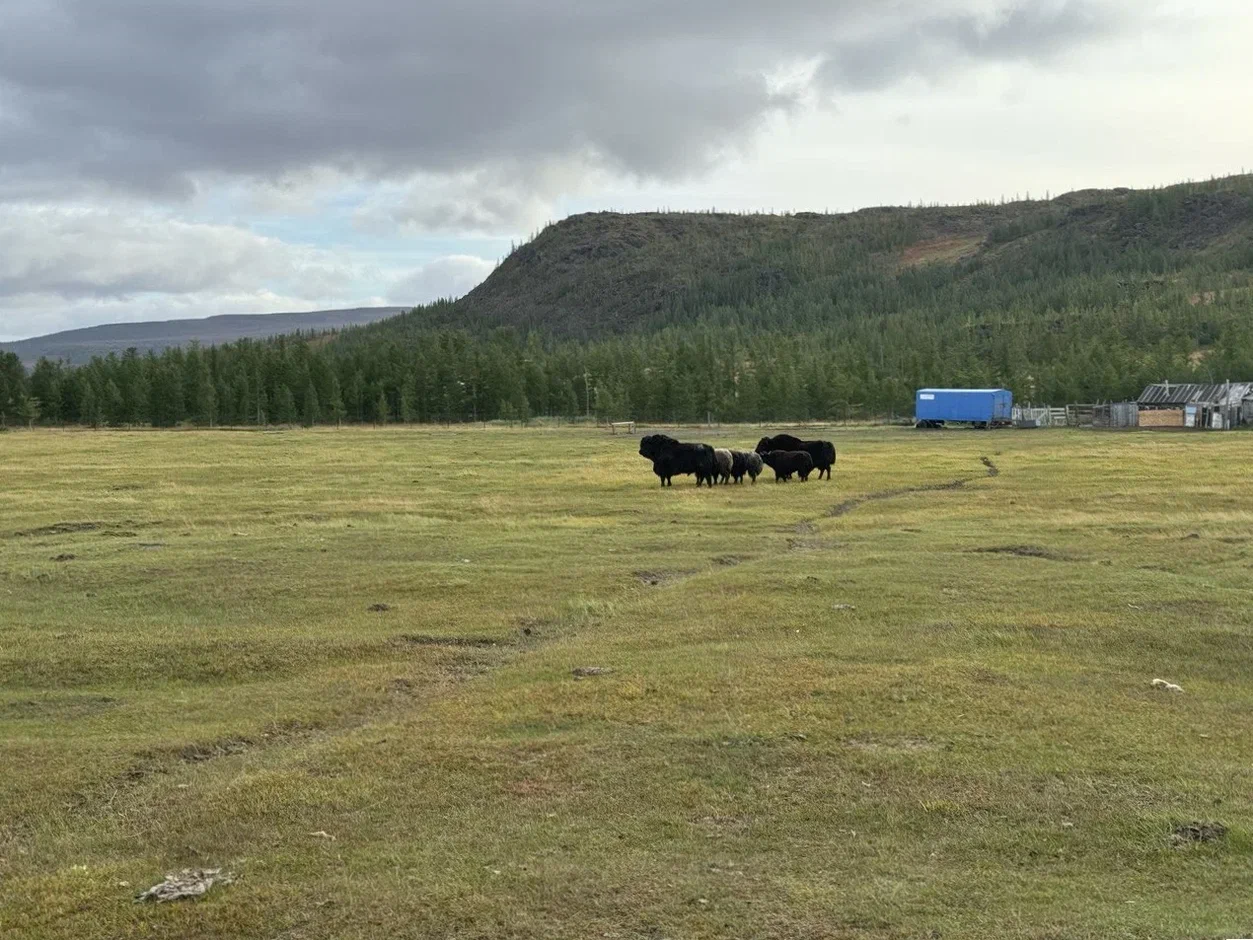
{"x": 76, "y": 253}
{"x": 62, "y": 267}
{"x": 450, "y": 276}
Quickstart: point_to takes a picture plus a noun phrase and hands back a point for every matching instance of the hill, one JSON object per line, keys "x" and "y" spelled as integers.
{"x": 681, "y": 317}
{"x": 78, "y": 346}
{"x": 601, "y": 273}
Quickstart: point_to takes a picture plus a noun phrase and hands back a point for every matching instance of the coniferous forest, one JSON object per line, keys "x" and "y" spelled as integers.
{"x": 684, "y": 316}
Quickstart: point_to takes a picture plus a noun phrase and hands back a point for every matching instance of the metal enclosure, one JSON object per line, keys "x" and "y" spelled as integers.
{"x": 935, "y": 406}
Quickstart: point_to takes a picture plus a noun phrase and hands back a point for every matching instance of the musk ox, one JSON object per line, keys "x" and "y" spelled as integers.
{"x": 754, "y": 465}
{"x": 745, "y": 463}
{"x": 722, "y": 464}
{"x": 822, "y": 452}
{"x": 673, "y": 458}
{"x": 786, "y": 462}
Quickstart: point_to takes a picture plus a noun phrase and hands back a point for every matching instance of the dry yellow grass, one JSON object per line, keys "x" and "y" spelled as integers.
{"x": 928, "y": 713}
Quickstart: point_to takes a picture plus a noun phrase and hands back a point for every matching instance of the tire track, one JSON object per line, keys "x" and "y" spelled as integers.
{"x": 844, "y": 508}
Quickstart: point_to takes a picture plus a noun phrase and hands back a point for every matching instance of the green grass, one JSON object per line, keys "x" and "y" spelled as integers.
{"x": 973, "y": 749}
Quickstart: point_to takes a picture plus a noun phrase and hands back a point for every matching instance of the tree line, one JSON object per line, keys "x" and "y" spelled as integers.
{"x": 725, "y": 370}
{"x": 791, "y": 322}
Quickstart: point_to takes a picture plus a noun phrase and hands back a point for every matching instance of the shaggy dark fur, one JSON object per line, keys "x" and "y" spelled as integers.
{"x": 822, "y": 452}
{"x": 745, "y": 463}
{"x": 754, "y": 465}
{"x": 786, "y": 462}
{"x": 673, "y": 458}
{"x": 722, "y": 464}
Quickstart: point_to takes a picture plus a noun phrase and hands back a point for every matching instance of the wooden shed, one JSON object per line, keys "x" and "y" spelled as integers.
{"x": 1196, "y": 406}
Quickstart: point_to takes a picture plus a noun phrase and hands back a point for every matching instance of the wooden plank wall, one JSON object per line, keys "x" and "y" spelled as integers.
{"x": 1165, "y": 418}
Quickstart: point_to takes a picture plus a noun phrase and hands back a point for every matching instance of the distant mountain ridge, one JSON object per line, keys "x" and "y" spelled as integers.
{"x": 78, "y": 346}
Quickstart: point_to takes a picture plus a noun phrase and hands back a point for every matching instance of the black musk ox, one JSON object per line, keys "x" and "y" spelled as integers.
{"x": 745, "y": 463}
{"x": 786, "y": 462}
{"x": 821, "y": 452}
{"x": 722, "y": 464}
{"x": 673, "y": 458}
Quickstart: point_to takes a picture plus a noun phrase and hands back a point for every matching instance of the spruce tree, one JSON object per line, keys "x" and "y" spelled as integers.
{"x": 312, "y": 412}
{"x": 408, "y": 397}
{"x": 336, "y": 405}
{"x": 206, "y": 400}
{"x": 29, "y": 410}
{"x": 114, "y": 404}
{"x": 285, "y": 406}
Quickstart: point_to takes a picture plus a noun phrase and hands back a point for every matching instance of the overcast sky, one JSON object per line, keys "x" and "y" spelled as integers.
{"x": 196, "y": 157}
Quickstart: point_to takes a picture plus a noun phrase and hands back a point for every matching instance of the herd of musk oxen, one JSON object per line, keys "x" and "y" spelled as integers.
{"x": 784, "y": 454}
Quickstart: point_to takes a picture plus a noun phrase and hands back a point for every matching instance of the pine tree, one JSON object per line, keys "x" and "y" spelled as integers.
{"x": 381, "y": 410}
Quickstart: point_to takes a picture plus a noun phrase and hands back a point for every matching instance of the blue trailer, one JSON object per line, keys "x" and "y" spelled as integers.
{"x": 980, "y": 407}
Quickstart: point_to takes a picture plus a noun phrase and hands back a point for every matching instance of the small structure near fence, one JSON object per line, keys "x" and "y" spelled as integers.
{"x": 1197, "y": 406}
{"x": 626, "y": 427}
{"x": 1028, "y": 416}
{"x": 1116, "y": 414}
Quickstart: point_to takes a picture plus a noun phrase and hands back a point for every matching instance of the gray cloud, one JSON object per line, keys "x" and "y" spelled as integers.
{"x": 157, "y": 98}
{"x": 944, "y": 42}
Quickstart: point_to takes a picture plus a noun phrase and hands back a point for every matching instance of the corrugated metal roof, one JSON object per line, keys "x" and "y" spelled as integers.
{"x": 1170, "y": 395}
{"x": 965, "y": 391}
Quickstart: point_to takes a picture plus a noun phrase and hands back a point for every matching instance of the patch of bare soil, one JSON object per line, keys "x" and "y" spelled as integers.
{"x": 728, "y": 561}
{"x": 424, "y": 639}
{"x": 379, "y": 608}
{"x": 61, "y": 528}
{"x": 844, "y": 508}
{"x": 197, "y": 753}
{"x": 940, "y": 249}
{"x": 584, "y": 672}
{"x": 660, "y": 578}
{"x": 76, "y": 706}
{"x": 993, "y": 470}
{"x": 64, "y": 556}
{"x": 1021, "y": 551}
{"x": 1186, "y": 833}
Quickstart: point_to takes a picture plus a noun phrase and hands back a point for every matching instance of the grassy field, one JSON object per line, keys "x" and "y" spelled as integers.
{"x": 912, "y": 702}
